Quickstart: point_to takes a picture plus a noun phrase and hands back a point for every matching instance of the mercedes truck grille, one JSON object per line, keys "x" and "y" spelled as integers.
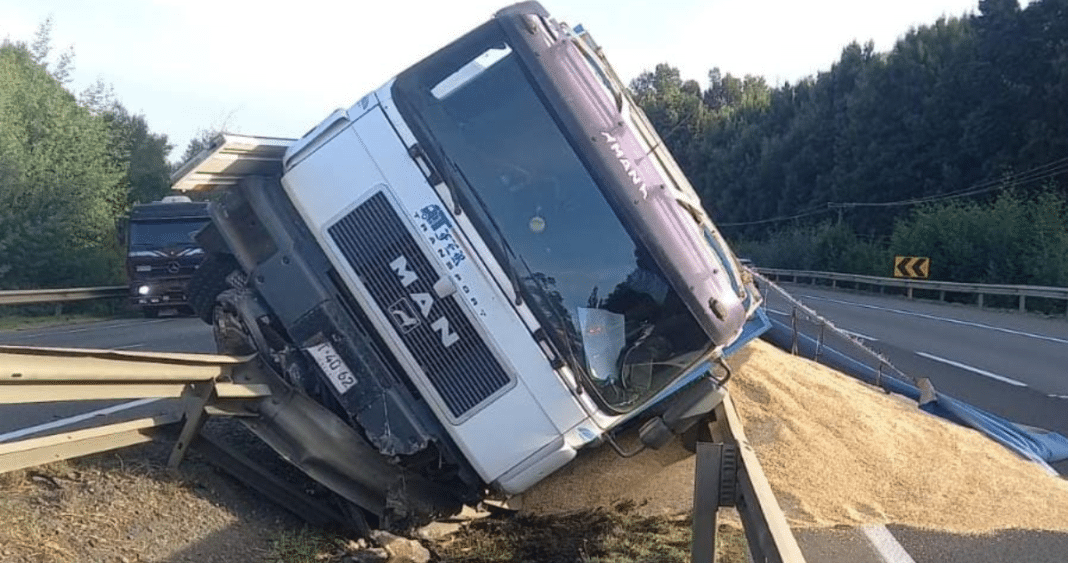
{"x": 456, "y": 361}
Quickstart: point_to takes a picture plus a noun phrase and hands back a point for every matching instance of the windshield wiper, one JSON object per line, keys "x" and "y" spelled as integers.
{"x": 562, "y": 322}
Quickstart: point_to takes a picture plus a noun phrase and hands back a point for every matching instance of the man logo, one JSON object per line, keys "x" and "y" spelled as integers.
{"x": 403, "y": 315}
{"x": 406, "y": 276}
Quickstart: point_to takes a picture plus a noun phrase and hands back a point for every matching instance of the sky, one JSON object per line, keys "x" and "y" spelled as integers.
{"x": 252, "y": 67}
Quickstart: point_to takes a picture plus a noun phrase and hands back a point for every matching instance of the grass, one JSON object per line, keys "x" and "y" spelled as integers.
{"x": 18, "y": 322}
{"x": 303, "y": 545}
{"x": 21, "y": 320}
{"x": 595, "y": 536}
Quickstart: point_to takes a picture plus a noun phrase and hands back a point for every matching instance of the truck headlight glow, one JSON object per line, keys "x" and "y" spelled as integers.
{"x": 143, "y": 290}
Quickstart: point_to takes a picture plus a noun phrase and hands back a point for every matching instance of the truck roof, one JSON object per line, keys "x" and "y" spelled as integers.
{"x": 227, "y": 159}
{"x": 158, "y": 210}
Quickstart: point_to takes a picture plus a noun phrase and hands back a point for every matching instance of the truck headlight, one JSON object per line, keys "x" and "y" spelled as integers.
{"x": 143, "y": 290}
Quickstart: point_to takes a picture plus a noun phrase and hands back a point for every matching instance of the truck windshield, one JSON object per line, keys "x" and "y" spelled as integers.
{"x": 169, "y": 233}
{"x": 604, "y": 302}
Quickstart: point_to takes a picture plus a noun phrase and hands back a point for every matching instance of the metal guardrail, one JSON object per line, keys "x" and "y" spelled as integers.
{"x": 728, "y": 474}
{"x": 206, "y": 385}
{"x": 32, "y": 296}
{"x": 1022, "y": 292}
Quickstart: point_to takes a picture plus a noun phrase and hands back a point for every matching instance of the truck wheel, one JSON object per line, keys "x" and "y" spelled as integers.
{"x": 208, "y": 281}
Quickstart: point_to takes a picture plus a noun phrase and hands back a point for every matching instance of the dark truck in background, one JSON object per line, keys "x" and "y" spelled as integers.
{"x": 161, "y": 254}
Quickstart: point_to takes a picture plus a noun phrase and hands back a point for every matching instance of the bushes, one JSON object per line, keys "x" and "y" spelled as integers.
{"x": 1014, "y": 239}
{"x": 58, "y": 182}
{"x": 830, "y": 247}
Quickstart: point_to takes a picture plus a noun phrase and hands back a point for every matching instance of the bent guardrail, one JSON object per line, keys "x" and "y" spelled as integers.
{"x": 728, "y": 474}
{"x": 1021, "y": 292}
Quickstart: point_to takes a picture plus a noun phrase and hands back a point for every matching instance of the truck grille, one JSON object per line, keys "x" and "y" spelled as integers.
{"x": 458, "y": 364}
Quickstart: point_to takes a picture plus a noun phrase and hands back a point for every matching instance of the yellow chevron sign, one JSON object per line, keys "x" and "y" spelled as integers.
{"x": 912, "y": 267}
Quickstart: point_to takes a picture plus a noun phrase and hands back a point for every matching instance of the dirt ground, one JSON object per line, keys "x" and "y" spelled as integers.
{"x": 126, "y": 507}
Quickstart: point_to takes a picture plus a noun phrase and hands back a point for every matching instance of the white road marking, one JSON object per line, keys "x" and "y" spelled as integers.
{"x": 127, "y": 347}
{"x": 778, "y": 312}
{"x": 886, "y": 545}
{"x": 973, "y": 369}
{"x": 859, "y": 335}
{"x": 23, "y": 336}
{"x": 74, "y": 419}
{"x": 1059, "y": 396}
{"x": 944, "y": 319}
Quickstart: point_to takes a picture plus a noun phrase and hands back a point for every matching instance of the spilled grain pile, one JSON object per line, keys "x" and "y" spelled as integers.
{"x": 836, "y": 452}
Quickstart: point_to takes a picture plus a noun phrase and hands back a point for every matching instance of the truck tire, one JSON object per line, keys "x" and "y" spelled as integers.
{"x": 208, "y": 281}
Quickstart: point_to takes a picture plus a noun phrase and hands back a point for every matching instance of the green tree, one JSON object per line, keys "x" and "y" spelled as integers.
{"x": 148, "y": 172}
{"x": 142, "y": 152}
{"x": 956, "y": 108}
{"x": 58, "y": 181}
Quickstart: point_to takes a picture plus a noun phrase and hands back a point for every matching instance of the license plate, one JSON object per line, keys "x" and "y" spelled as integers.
{"x": 333, "y": 366}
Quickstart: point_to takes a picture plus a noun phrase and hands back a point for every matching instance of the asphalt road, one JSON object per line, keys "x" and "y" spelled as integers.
{"x": 1018, "y": 348}
{"x": 174, "y": 334}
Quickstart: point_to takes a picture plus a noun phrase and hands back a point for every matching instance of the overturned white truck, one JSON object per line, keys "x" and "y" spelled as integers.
{"x": 478, "y": 269}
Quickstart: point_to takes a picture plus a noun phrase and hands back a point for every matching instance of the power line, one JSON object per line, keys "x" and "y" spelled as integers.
{"x": 1038, "y": 173}
{"x": 813, "y": 211}
{"x": 1043, "y": 172}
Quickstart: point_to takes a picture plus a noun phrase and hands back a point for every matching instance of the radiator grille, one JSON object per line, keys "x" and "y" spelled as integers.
{"x": 458, "y": 364}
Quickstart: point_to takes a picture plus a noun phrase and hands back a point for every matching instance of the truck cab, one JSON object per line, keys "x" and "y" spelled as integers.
{"x": 482, "y": 267}
{"x": 161, "y": 253}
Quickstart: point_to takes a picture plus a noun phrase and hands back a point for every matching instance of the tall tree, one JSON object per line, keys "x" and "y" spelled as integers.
{"x": 147, "y": 171}
{"x": 57, "y": 180}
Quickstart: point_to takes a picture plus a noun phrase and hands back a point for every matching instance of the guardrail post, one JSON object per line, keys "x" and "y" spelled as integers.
{"x": 1023, "y": 303}
{"x": 197, "y": 396}
{"x": 793, "y": 325}
{"x": 979, "y": 300}
{"x": 910, "y": 292}
{"x": 942, "y": 295}
{"x": 706, "y": 494}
